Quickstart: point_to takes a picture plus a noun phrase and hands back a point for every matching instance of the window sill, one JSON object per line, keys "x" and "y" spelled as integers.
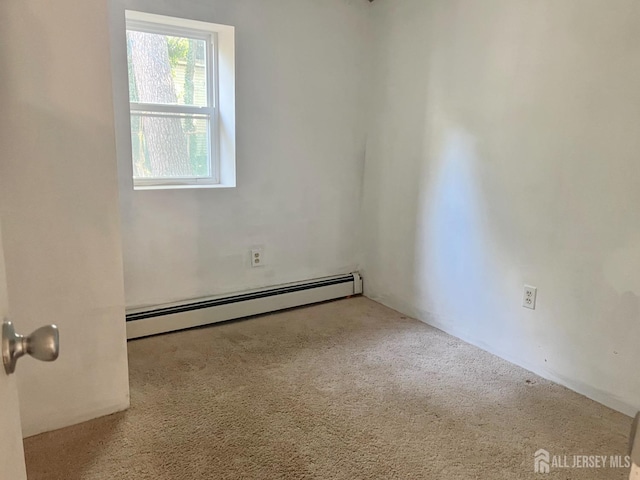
{"x": 181, "y": 187}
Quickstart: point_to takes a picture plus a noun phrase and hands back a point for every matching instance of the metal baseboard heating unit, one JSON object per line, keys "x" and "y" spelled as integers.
{"x": 147, "y": 321}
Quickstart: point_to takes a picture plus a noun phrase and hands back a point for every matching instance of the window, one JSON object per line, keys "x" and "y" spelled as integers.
{"x": 182, "y": 102}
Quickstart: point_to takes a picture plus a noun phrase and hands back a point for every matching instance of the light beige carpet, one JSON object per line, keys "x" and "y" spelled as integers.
{"x": 343, "y": 390}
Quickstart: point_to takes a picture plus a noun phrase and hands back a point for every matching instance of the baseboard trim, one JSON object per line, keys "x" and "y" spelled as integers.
{"x": 168, "y": 318}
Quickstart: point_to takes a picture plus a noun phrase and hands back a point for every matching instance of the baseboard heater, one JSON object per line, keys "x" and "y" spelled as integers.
{"x": 147, "y": 321}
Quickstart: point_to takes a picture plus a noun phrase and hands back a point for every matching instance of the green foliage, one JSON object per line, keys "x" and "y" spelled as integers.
{"x": 178, "y": 50}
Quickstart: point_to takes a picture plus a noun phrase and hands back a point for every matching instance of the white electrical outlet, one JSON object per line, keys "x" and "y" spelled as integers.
{"x": 257, "y": 259}
{"x": 529, "y": 297}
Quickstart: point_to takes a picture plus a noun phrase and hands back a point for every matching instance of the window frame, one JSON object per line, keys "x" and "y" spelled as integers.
{"x": 221, "y": 164}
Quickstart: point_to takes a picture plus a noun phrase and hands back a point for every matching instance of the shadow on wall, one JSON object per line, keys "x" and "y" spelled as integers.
{"x": 395, "y": 161}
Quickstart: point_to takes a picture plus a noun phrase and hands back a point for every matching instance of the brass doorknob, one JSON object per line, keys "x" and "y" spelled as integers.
{"x": 43, "y": 344}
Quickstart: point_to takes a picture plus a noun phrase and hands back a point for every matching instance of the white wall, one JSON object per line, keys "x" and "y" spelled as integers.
{"x": 58, "y": 187}
{"x": 503, "y": 150}
{"x": 300, "y": 152}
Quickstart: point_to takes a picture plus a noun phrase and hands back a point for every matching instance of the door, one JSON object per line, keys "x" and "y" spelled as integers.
{"x": 11, "y": 451}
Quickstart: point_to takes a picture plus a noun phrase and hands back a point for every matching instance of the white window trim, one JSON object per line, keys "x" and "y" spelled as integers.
{"x": 221, "y": 98}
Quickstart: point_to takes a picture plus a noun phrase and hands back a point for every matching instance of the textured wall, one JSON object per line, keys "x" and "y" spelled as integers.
{"x": 503, "y": 150}
{"x": 300, "y": 155}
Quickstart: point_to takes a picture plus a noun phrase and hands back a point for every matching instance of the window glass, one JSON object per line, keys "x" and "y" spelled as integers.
{"x": 170, "y": 146}
{"x": 166, "y": 69}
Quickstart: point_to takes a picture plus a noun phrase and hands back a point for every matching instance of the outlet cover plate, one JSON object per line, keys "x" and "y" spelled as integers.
{"x": 529, "y": 297}
{"x": 257, "y": 257}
